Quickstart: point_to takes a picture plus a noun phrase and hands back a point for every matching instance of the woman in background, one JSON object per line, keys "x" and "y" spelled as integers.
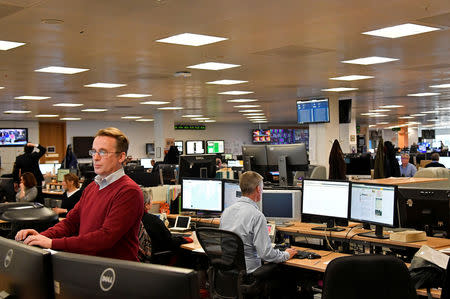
{"x": 337, "y": 162}
{"x": 71, "y": 196}
{"x": 28, "y": 190}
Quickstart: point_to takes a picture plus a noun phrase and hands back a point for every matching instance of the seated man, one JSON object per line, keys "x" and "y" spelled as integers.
{"x": 407, "y": 169}
{"x": 435, "y": 161}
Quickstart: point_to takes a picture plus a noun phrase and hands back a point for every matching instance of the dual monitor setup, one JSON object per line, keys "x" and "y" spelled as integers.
{"x": 193, "y": 147}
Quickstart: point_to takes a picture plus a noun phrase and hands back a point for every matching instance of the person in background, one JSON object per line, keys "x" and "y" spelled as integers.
{"x": 27, "y": 190}
{"x": 407, "y": 169}
{"x": 29, "y": 162}
{"x": 105, "y": 222}
{"x": 218, "y": 163}
{"x": 391, "y": 166}
{"x": 435, "y": 161}
{"x": 337, "y": 163}
{"x": 172, "y": 156}
{"x": 71, "y": 196}
{"x": 153, "y": 162}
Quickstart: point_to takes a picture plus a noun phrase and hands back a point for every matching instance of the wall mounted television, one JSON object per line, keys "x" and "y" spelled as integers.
{"x": 13, "y": 137}
{"x": 313, "y": 111}
{"x": 261, "y": 136}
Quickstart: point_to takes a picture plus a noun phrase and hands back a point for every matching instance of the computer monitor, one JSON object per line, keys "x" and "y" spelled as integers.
{"x": 231, "y": 193}
{"x": 202, "y": 195}
{"x": 61, "y": 173}
{"x": 195, "y": 147}
{"x": 287, "y": 158}
{"x": 215, "y": 146}
{"x": 325, "y": 201}
{"x": 84, "y": 276}
{"x": 235, "y": 163}
{"x": 374, "y": 204}
{"x": 445, "y": 161}
{"x": 358, "y": 165}
{"x": 7, "y": 192}
{"x": 179, "y": 145}
{"x": 281, "y": 206}
{"x": 147, "y": 163}
{"x": 25, "y": 271}
{"x": 255, "y": 158}
{"x": 198, "y": 166}
{"x": 169, "y": 173}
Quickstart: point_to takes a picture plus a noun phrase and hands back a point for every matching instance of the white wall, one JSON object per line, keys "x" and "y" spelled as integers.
{"x": 389, "y": 135}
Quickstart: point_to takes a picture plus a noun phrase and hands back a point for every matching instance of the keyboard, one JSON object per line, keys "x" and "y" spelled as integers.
{"x": 301, "y": 254}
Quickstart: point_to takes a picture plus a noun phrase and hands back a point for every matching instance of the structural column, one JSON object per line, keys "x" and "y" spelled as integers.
{"x": 163, "y": 128}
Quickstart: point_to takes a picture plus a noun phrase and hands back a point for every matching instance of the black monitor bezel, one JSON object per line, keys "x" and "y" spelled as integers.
{"x": 202, "y": 210}
{"x": 227, "y": 181}
{"x": 186, "y": 147}
{"x": 206, "y": 146}
{"x": 309, "y": 100}
{"x": 16, "y": 145}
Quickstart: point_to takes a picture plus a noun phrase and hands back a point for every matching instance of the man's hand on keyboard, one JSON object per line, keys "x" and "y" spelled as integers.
{"x": 291, "y": 252}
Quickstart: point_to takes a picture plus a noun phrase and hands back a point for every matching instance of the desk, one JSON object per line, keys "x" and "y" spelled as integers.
{"x": 52, "y": 192}
{"x": 410, "y": 182}
{"x": 211, "y": 221}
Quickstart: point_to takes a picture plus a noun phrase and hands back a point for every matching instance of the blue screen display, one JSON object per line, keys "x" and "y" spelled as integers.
{"x": 313, "y": 111}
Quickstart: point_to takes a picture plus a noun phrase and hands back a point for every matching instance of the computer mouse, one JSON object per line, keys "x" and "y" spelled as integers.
{"x": 313, "y": 255}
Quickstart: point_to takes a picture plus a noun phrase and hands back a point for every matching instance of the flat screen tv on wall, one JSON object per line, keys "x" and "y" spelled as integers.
{"x": 313, "y": 111}
{"x": 13, "y": 137}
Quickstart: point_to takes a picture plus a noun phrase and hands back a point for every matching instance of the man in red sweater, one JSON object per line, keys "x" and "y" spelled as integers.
{"x": 105, "y": 222}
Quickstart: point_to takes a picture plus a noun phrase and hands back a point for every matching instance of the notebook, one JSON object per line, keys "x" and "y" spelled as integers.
{"x": 182, "y": 223}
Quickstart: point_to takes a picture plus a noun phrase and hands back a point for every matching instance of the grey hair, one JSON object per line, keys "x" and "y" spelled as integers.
{"x": 147, "y": 192}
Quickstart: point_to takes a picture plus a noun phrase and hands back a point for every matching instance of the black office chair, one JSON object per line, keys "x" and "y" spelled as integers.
{"x": 227, "y": 271}
{"x": 368, "y": 277}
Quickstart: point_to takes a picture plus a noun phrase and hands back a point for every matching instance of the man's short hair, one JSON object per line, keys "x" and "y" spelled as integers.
{"x": 147, "y": 195}
{"x": 248, "y": 182}
{"x": 28, "y": 149}
{"x": 121, "y": 139}
{"x": 435, "y": 156}
{"x": 405, "y": 155}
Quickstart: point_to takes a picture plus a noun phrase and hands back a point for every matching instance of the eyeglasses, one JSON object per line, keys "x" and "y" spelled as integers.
{"x": 101, "y": 153}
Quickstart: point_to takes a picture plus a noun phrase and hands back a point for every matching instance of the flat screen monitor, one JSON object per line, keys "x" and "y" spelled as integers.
{"x": 149, "y": 149}
{"x": 13, "y": 137}
{"x": 231, "y": 193}
{"x": 374, "y": 204}
{"x": 25, "y": 271}
{"x": 195, "y": 147}
{"x": 83, "y": 276}
{"x": 147, "y": 163}
{"x": 297, "y": 157}
{"x": 445, "y": 161}
{"x": 7, "y": 192}
{"x": 215, "y": 146}
{"x": 179, "y": 145}
{"x": 258, "y": 152}
{"x": 313, "y": 111}
{"x": 61, "y": 173}
{"x": 202, "y": 195}
{"x": 82, "y": 145}
{"x": 197, "y": 166}
{"x": 358, "y": 165}
{"x": 325, "y": 201}
{"x": 281, "y": 206}
{"x": 261, "y": 136}
{"x": 235, "y": 163}
{"x": 282, "y": 136}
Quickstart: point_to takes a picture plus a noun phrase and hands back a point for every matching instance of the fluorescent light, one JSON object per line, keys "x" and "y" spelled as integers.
{"x": 242, "y": 100}
{"x": 192, "y": 115}
{"x": 61, "y": 70}
{"x": 2, "y": 87}
{"x": 145, "y": 119}
{"x": 260, "y": 122}
{"x": 131, "y": 117}
{"x": 94, "y": 110}
{"x": 256, "y": 117}
{"x": 382, "y": 123}
{"x": 259, "y": 119}
{"x": 352, "y": 78}
{"x": 418, "y": 114}
{"x": 391, "y": 106}
{"x": 236, "y": 92}
{"x": 423, "y": 94}
{"x": 154, "y": 103}
{"x": 443, "y": 108}
{"x": 430, "y": 112}
{"x": 33, "y": 98}
{"x": 441, "y": 86}
{"x": 6, "y": 45}
{"x": 67, "y": 105}
{"x": 339, "y": 89}
{"x": 370, "y": 60}
{"x": 247, "y": 106}
{"x": 253, "y": 114}
{"x": 406, "y": 117}
{"x": 250, "y": 110}
{"x": 369, "y": 113}
{"x": 105, "y": 85}
{"x": 46, "y": 115}
{"x": 401, "y": 30}
{"x": 134, "y": 95}
{"x": 226, "y": 82}
{"x": 70, "y": 118}
{"x": 378, "y": 115}
{"x": 414, "y": 123}
{"x": 200, "y": 118}
{"x": 213, "y": 66}
{"x": 191, "y": 39}
{"x": 371, "y": 126}
{"x": 209, "y": 121}
{"x": 436, "y": 119}
{"x": 380, "y": 110}
{"x": 16, "y": 111}
{"x": 170, "y": 108}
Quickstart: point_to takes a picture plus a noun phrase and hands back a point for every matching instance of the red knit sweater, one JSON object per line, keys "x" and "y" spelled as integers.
{"x": 103, "y": 223}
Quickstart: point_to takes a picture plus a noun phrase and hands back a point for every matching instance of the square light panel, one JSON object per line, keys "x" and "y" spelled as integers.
{"x": 61, "y": 70}
{"x": 134, "y": 95}
{"x": 226, "y": 82}
{"x": 247, "y": 106}
{"x": 16, "y": 111}
{"x": 170, "y": 108}
{"x": 105, "y": 85}
{"x": 418, "y": 114}
{"x": 370, "y": 60}
{"x": 423, "y": 94}
{"x": 340, "y": 89}
{"x": 192, "y": 115}
{"x": 380, "y": 110}
{"x": 94, "y": 110}
{"x": 213, "y": 66}
{"x": 154, "y": 103}
{"x": 236, "y": 92}
{"x": 191, "y": 39}
{"x": 131, "y": 117}
{"x": 441, "y": 86}
{"x": 352, "y": 78}
{"x": 32, "y": 98}
{"x": 70, "y": 118}
{"x": 6, "y": 45}
{"x": 46, "y": 115}
{"x": 250, "y": 110}
{"x": 145, "y": 119}
{"x": 242, "y": 100}
{"x": 401, "y": 30}
{"x": 67, "y": 105}
{"x": 391, "y": 106}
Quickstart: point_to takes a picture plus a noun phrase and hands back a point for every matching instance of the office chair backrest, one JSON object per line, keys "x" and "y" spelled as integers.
{"x": 368, "y": 277}
{"x": 319, "y": 172}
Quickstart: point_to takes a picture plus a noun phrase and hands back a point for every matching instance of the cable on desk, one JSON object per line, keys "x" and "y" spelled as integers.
{"x": 349, "y": 232}
{"x": 328, "y": 241}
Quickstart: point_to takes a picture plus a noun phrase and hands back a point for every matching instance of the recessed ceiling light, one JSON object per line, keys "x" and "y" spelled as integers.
{"x": 105, "y": 85}
{"x": 33, "y": 98}
{"x": 430, "y": 112}
{"x": 67, "y": 105}
{"x": 418, "y": 114}
{"x": 154, "y": 103}
{"x": 401, "y": 30}
{"x": 191, "y": 39}
{"x": 253, "y": 114}
{"x": 209, "y": 121}
{"x": 247, "y": 106}
{"x": 6, "y": 45}
{"x": 250, "y": 110}
{"x": 443, "y": 108}
{"x": 200, "y": 118}
{"x": 61, "y": 70}
{"x": 378, "y": 115}
{"x": 131, "y": 117}
{"x": 1, "y": 87}
{"x": 170, "y": 108}
{"x": 391, "y": 106}
{"x": 371, "y": 126}
{"x": 16, "y": 111}
{"x": 370, "y": 60}
{"x": 339, "y": 89}
{"x": 145, "y": 119}
{"x": 192, "y": 115}
{"x": 369, "y": 113}
{"x": 441, "y": 86}
{"x": 213, "y": 66}
{"x": 134, "y": 95}
{"x": 406, "y": 117}
{"x": 70, "y": 118}
{"x": 256, "y": 117}
{"x": 226, "y": 82}
{"x": 46, "y": 115}
{"x": 414, "y": 123}
{"x": 423, "y": 94}
{"x": 380, "y": 110}
{"x": 382, "y": 123}
{"x": 352, "y": 78}
{"x": 437, "y": 119}
{"x": 260, "y": 121}
{"x": 242, "y": 100}
{"x": 94, "y": 110}
{"x": 236, "y": 92}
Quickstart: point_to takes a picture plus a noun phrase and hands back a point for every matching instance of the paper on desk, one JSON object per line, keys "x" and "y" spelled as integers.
{"x": 445, "y": 250}
{"x": 200, "y": 250}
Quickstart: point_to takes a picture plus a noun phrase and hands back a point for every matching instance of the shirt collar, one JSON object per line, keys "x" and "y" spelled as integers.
{"x": 102, "y": 183}
{"x": 69, "y": 194}
{"x": 248, "y": 200}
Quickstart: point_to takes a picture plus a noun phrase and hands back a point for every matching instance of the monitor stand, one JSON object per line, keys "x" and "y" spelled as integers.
{"x": 330, "y": 227}
{"x": 283, "y": 224}
{"x": 377, "y": 234}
